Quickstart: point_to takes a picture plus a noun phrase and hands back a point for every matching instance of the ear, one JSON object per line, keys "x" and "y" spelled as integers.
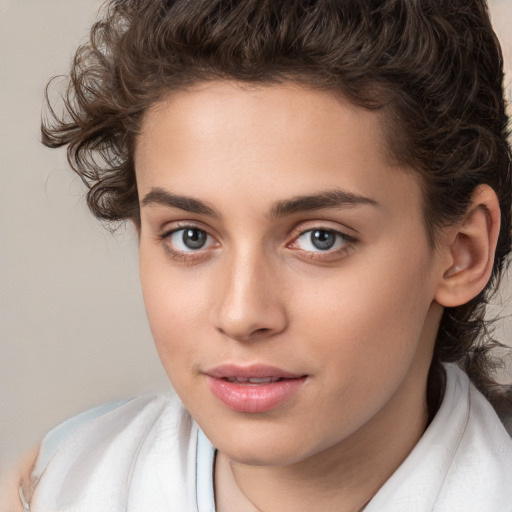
{"x": 470, "y": 246}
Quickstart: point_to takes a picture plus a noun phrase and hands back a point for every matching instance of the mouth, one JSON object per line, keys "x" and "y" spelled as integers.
{"x": 253, "y": 389}
{"x": 253, "y": 380}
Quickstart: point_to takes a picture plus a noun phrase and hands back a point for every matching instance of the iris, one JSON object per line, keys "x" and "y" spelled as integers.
{"x": 194, "y": 238}
{"x": 322, "y": 239}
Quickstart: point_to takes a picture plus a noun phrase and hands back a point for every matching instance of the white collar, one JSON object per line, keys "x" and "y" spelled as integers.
{"x": 463, "y": 462}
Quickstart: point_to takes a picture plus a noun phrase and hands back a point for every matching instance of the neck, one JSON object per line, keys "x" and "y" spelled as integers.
{"x": 342, "y": 478}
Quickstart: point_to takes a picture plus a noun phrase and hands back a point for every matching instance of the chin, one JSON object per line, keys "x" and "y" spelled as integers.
{"x": 262, "y": 448}
{"x": 262, "y": 456}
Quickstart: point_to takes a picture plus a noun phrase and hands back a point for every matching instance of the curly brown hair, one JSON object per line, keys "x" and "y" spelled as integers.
{"x": 433, "y": 66}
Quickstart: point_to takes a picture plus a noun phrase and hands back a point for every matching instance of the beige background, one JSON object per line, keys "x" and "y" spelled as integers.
{"x": 73, "y": 331}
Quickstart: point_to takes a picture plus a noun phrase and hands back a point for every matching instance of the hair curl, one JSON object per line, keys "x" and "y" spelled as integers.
{"x": 434, "y": 66}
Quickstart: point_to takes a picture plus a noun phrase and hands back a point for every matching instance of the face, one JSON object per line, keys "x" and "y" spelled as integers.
{"x": 285, "y": 268}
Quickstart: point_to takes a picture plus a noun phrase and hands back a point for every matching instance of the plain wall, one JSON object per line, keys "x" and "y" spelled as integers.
{"x": 73, "y": 331}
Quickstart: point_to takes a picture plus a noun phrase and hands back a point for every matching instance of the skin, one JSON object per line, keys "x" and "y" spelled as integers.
{"x": 11, "y": 481}
{"x": 359, "y": 320}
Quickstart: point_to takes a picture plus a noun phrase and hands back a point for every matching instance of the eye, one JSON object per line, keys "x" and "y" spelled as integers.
{"x": 322, "y": 240}
{"x": 188, "y": 239}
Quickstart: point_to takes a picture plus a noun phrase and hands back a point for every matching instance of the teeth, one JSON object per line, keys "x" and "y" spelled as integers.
{"x": 260, "y": 381}
{"x": 253, "y": 380}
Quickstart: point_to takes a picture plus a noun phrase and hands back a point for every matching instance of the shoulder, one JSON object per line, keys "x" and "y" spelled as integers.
{"x": 502, "y": 403}
{"x": 15, "y": 478}
{"x": 93, "y": 461}
{"x": 480, "y": 471}
{"x": 54, "y": 440}
{"x": 462, "y": 463}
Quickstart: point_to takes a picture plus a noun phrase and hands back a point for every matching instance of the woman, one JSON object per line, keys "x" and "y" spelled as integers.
{"x": 322, "y": 196}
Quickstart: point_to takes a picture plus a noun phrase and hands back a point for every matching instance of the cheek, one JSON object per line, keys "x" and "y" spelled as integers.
{"x": 363, "y": 336}
{"x": 174, "y": 306}
{"x": 372, "y": 314}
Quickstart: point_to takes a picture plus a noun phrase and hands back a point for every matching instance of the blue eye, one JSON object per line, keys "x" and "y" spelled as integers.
{"x": 322, "y": 240}
{"x": 189, "y": 239}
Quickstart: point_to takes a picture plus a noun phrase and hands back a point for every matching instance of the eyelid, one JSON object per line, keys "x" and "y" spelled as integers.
{"x": 174, "y": 225}
{"x": 190, "y": 254}
{"x": 319, "y": 254}
{"x": 349, "y": 233}
{"x": 208, "y": 238}
{"x": 200, "y": 253}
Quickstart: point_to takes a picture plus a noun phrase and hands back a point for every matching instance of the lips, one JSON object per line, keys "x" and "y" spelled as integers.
{"x": 253, "y": 380}
{"x": 253, "y": 389}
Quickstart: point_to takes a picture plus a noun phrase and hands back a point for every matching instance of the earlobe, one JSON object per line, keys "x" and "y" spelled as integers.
{"x": 470, "y": 250}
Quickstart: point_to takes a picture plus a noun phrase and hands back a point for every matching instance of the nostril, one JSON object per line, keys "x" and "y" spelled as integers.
{"x": 241, "y": 318}
{"x": 255, "y": 333}
{"x": 261, "y": 331}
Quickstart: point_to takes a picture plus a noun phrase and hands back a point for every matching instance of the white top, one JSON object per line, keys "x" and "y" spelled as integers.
{"x": 148, "y": 455}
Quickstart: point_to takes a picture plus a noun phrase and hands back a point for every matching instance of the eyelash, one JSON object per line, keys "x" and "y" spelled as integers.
{"x": 347, "y": 243}
{"x": 183, "y": 255}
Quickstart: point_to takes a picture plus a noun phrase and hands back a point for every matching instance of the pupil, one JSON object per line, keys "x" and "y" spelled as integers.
{"x": 323, "y": 240}
{"x": 194, "y": 238}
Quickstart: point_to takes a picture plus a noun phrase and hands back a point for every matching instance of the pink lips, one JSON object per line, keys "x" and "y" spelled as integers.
{"x": 253, "y": 389}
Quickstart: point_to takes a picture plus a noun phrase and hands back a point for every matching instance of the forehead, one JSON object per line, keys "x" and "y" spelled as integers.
{"x": 289, "y": 109}
{"x": 223, "y": 138}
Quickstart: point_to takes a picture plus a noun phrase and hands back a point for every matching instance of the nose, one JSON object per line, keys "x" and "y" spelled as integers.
{"x": 249, "y": 303}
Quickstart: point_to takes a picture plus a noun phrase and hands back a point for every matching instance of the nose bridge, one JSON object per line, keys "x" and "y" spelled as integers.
{"x": 249, "y": 303}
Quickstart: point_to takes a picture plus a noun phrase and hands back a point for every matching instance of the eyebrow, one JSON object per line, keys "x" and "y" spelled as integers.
{"x": 163, "y": 197}
{"x": 335, "y": 198}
